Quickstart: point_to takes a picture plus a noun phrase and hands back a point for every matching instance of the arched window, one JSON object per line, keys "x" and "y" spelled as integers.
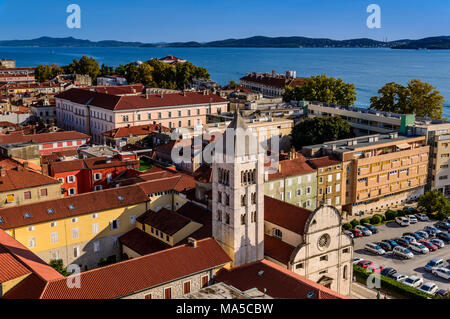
{"x": 244, "y": 200}
{"x": 345, "y": 272}
{"x": 277, "y": 233}
{"x": 227, "y": 219}
{"x": 254, "y": 199}
{"x": 243, "y": 219}
{"x": 219, "y": 215}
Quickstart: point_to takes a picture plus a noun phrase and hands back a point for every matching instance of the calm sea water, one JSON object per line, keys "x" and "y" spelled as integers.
{"x": 368, "y": 69}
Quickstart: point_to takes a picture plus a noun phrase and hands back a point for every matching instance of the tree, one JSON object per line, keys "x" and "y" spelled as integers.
{"x": 322, "y": 88}
{"x": 232, "y": 84}
{"x": 417, "y": 97}
{"x": 58, "y": 265}
{"x": 321, "y": 129}
{"x": 435, "y": 202}
{"x": 47, "y": 72}
{"x": 85, "y": 66}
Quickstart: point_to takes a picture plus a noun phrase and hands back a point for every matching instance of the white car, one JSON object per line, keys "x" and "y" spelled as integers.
{"x": 442, "y": 272}
{"x": 438, "y": 242}
{"x": 364, "y": 230}
{"x": 422, "y": 217}
{"x": 412, "y": 219}
{"x": 418, "y": 247}
{"x": 356, "y": 260}
{"x": 402, "y": 252}
{"x": 402, "y": 221}
{"x": 410, "y": 239}
{"x": 429, "y": 288}
{"x": 375, "y": 249}
{"x": 413, "y": 281}
{"x": 399, "y": 277}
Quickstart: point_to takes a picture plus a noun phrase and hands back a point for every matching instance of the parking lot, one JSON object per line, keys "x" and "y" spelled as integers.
{"x": 406, "y": 267}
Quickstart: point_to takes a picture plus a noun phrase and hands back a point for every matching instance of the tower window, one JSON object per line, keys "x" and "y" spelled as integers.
{"x": 227, "y": 199}
{"x": 219, "y": 215}
{"x": 219, "y": 197}
{"x": 227, "y": 219}
{"x": 253, "y": 217}
{"x": 244, "y": 200}
{"x": 254, "y": 199}
{"x": 277, "y": 233}
{"x": 243, "y": 219}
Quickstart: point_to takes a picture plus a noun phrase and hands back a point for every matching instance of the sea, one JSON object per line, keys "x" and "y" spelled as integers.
{"x": 368, "y": 69}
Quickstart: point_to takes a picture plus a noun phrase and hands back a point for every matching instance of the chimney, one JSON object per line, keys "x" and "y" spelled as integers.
{"x": 192, "y": 242}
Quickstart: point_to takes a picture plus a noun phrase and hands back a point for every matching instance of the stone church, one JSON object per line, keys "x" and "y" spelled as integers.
{"x": 250, "y": 226}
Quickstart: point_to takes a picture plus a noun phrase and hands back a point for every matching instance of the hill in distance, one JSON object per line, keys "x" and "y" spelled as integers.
{"x": 432, "y": 43}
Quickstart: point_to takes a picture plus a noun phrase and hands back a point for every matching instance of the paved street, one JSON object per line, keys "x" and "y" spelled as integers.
{"x": 407, "y": 267}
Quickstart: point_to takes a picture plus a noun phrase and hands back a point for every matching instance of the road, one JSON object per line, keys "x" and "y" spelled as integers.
{"x": 407, "y": 267}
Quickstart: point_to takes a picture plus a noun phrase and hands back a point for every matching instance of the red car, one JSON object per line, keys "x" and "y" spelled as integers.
{"x": 375, "y": 268}
{"x": 365, "y": 263}
{"x": 429, "y": 245}
{"x": 357, "y": 233}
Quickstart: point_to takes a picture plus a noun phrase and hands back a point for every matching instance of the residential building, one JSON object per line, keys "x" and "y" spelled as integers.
{"x": 48, "y": 142}
{"x": 20, "y": 186}
{"x": 6, "y": 63}
{"x": 45, "y": 111}
{"x": 90, "y": 174}
{"x": 378, "y": 171}
{"x": 329, "y": 181}
{"x": 19, "y": 89}
{"x": 295, "y": 182}
{"x": 171, "y": 60}
{"x": 111, "y": 80}
{"x": 273, "y": 84}
{"x": 95, "y": 113}
{"x": 131, "y": 134}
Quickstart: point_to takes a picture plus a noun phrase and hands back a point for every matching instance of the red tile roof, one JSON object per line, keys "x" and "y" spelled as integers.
{"x": 117, "y": 90}
{"x": 204, "y": 174}
{"x": 118, "y": 103}
{"x": 89, "y": 163}
{"x": 135, "y": 131}
{"x": 323, "y": 161}
{"x": 279, "y": 81}
{"x": 27, "y": 258}
{"x": 167, "y": 221}
{"x": 277, "y": 249}
{"x": 20, "y": 178}
{"x": 141, "y": 273}
{"x": 293, "y": 167}
{"x": 61, "y": 208}
{"x": 278, "y": 282}
{"x": 29, "y": 288}
{"x": 18, "y": 137}
{"x": 285, "y": 215}
{"x": 10, "y": 267}
{"x": 142, "y": 243}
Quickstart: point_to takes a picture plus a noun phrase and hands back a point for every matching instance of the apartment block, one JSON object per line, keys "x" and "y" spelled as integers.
{"x": 379, "y": 171}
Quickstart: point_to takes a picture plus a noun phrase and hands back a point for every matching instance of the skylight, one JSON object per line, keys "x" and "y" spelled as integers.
{"x": 120, "y": 198}
{"x": 50, "y": 211}
{"x": 27, "y": 215}
{"x": 2, "y": 220}
{"x": 72, "y": 207}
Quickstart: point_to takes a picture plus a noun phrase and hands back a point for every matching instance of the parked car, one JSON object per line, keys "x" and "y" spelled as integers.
{"x": 388, "y": 272}
{"x": 402, "y": 221}
{"x": 399, "y": 277}
{"x": 432, "y": 231}
{"x": 409, "y": 239}
{"x": 434, "y": 263}
{"x": 385, "y": 246}
{"x": 442, "y": 272}
{"x": 442, "y": 293}
{"x": 402, "y": 242}
{"x": 422, "y": 234}
{"x": 413, "y": 281}
{"x": 443, "y": 225}
{"x": 375, "y": 249}
{"x": 422, "y": 217}
{"x": 444, "y": 236}
{"x": 372, "y": 228}
{"x": 375, "y": 268}
{"x": 349, "y": 233}
{"x": 413, "y": 235}
{"x": 364, "y": 263}
{"x": 356, "y": 260}
{"x": 429, "y": 245}
{"x": 403, "y": 252}
{"x": 392, "y": 243}
{"x": 364, "y": 230}
{"x": 412, "y": 219}
{"x": 418, "y": 247}
{"x": 438, "y": 242}
{"x": 357, "y": 233}
{"x": 429, "y": 288}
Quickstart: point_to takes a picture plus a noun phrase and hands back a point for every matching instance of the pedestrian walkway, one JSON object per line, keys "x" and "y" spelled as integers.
{"x": 360, "y": 291}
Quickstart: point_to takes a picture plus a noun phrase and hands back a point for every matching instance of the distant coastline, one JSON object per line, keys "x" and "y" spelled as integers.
{"x": 432, "y": 43}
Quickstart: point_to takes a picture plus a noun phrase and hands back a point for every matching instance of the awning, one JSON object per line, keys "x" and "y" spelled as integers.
{"x": 404, "y": 146}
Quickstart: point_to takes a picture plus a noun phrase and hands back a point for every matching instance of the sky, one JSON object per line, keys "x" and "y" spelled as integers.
{"x": 207, "y": 20}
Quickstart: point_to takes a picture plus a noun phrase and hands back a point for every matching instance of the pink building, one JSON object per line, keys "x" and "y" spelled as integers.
{"x": 94, "y": 113}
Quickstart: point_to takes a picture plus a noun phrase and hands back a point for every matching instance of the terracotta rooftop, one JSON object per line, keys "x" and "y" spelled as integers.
{"x": 323, "y": 161}
{"x": 277, "y": 249}
{"x": 88, "y": 163}
{"x": 117, "y": 90}
{"x": 285, "y": 215}
{"x": 10, "y": 267}
{"x": 278, "y": 282}
{"x": 18, "y": 137}
{"x": 117, "y": 103}
{"x": 20, "y": 178}
{"x": 204, "y": 174}
{"x": 293, "y": 167}
{"x": 135, "y": 131}
{"x": 165, "y": 220}
{"x": 279, "y": 81}
{"x": 71, "y": 206}
{"x": 142, "y": 243}
{"x": 141, "y": 273}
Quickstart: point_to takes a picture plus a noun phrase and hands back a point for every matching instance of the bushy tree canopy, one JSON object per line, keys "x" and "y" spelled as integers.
{"x": 435, "y": 202}
{"x": 325, "y": 89}
{"x": 417, "y": 97}
{"x": 318, "y": 130}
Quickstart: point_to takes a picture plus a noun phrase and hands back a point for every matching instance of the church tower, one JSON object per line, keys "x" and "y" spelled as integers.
{"x": 238, "y": 193}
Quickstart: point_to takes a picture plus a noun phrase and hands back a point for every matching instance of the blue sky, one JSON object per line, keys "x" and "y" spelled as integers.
{"x": 207, "y": 20}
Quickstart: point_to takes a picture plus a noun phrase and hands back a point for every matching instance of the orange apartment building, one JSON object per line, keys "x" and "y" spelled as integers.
{"x": 379, "y": 171}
